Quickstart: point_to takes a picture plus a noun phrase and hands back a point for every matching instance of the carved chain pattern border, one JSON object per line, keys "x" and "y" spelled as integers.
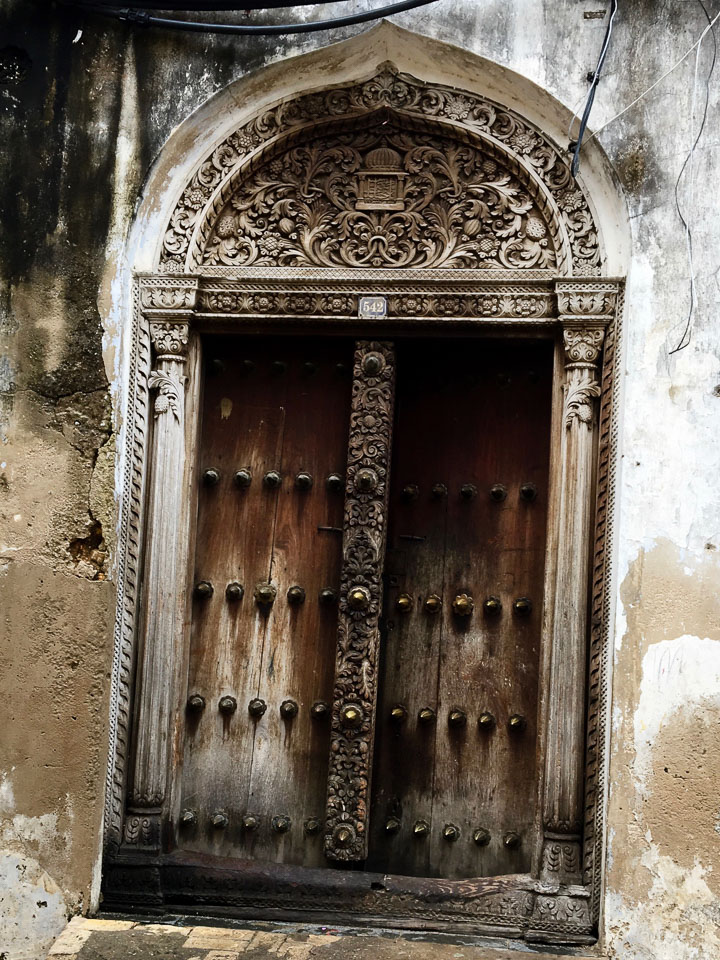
{"x": 600, "y": 611}
{"x": 355, "y": 693}
{"x": 529, "y": 150}
{"x": 128, "y": 576}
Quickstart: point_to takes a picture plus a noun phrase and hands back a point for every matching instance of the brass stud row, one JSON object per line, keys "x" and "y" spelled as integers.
{"x": 265, "y": 594}
{"x": 451, "y": 833}
{"x": 227, "y": 705}
{"x": 458, "y": 718}
{"x": 250, "y": 823}
{"x": 469, "y": 491}
{"x": 272, "y": 480}
{"x": 463, "y": 605}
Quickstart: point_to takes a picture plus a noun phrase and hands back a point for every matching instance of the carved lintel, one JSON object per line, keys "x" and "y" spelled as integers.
{"x": 360, "y": 601}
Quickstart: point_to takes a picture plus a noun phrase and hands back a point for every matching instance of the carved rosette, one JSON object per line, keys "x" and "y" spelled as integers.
{"x": 355, "y": 690}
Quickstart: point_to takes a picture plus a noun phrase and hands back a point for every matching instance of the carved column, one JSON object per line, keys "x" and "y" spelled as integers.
{"x": 165, "y": 589}
{"x": 585, "y": 307}
{"x": 355, "y": 694}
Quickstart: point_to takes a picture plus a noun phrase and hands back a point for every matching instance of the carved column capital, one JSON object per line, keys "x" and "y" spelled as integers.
{"x": 583, "y": 343}
{"x": 170, "y": 339}
{"x": 168, "y": 306}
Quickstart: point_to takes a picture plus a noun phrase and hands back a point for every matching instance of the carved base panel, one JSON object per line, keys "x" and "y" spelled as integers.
{"x": 513, "y": 906}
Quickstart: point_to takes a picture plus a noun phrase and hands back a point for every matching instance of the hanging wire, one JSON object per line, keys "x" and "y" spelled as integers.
{"x": 198, "y": 6}
{"x": 667, "y": 73}
{"x": 591, "y": 92}
{"x": 141, "y": 17}
{"x": 688, "y": 164}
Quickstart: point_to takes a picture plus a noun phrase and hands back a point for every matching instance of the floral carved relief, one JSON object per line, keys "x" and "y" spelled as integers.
{"x": 579, "y": 401}
{"x": 170, "y": 338}
{"x": 382, "y": 200}
{"x": 360, "y": 600}
{"x": 379, "y": 199}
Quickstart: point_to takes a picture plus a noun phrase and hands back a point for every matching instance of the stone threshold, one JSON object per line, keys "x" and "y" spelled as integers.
{"x": 185, "y": 938}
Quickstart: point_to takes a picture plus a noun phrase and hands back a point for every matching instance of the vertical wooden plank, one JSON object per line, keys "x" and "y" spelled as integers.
{"x": 355, "y": 692}
{"x": 469, "y": 413}
{"x": 486, "y": 779}
{"x": 405, "y": 745}
{"x": 290, "y": 759}
{"x": 243, "y": 428}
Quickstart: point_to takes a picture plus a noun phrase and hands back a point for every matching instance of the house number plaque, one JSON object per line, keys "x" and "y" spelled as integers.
{"x": 372, "y": 308}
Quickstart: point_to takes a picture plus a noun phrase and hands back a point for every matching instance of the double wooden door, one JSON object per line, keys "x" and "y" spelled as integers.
{"x": 453, "y": 741}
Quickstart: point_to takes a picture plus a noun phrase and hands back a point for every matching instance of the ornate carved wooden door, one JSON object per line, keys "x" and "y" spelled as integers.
{"x": 298, "y": 612}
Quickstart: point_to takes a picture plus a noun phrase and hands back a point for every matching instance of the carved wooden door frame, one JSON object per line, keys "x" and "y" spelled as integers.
{"x": 199, "y": 288}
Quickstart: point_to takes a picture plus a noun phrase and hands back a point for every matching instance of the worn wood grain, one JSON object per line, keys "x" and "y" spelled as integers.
{"x": 474, "y": 413}
{"x": 290, "y": 759}
{"x": 260, "y": 417}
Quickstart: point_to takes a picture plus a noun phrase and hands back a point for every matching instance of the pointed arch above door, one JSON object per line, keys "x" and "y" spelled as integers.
{"x": 503, "y": 194}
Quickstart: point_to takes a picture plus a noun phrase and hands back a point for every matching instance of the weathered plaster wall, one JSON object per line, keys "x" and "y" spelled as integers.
{"x": 86, "y": 107}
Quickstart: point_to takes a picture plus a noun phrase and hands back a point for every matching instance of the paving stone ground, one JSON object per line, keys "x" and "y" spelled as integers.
{"x": 125, "y": 939}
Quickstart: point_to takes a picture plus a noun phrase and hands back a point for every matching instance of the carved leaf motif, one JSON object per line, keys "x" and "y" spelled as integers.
{"x": 168, "y": 393}
{"x": 582, "y": 345}
{"x": 170, "y": 337}
{"x": 444, "y": 204}
{"x": 578, "y": 402}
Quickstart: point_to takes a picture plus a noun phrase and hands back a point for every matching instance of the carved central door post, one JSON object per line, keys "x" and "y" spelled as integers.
{"x": 162, "y": 626}
{"x": 586, "y": 307}
{"x": 356, "y": 669}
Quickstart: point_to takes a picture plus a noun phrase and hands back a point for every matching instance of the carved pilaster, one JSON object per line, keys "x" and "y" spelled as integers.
{"x": 585, "y": 309}
{"x": 366, "y": 498}
{"x": 162, "y": 624}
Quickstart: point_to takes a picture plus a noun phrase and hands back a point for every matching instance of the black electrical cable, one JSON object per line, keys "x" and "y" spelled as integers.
{"x": 145, "y": 19}
{"x": 684, "y": 340}
{"x": 591, "y": 93}
{"x": 196, "y": 6}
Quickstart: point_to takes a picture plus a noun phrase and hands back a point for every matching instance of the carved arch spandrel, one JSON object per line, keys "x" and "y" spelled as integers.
{"x": 503, "y": 134}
